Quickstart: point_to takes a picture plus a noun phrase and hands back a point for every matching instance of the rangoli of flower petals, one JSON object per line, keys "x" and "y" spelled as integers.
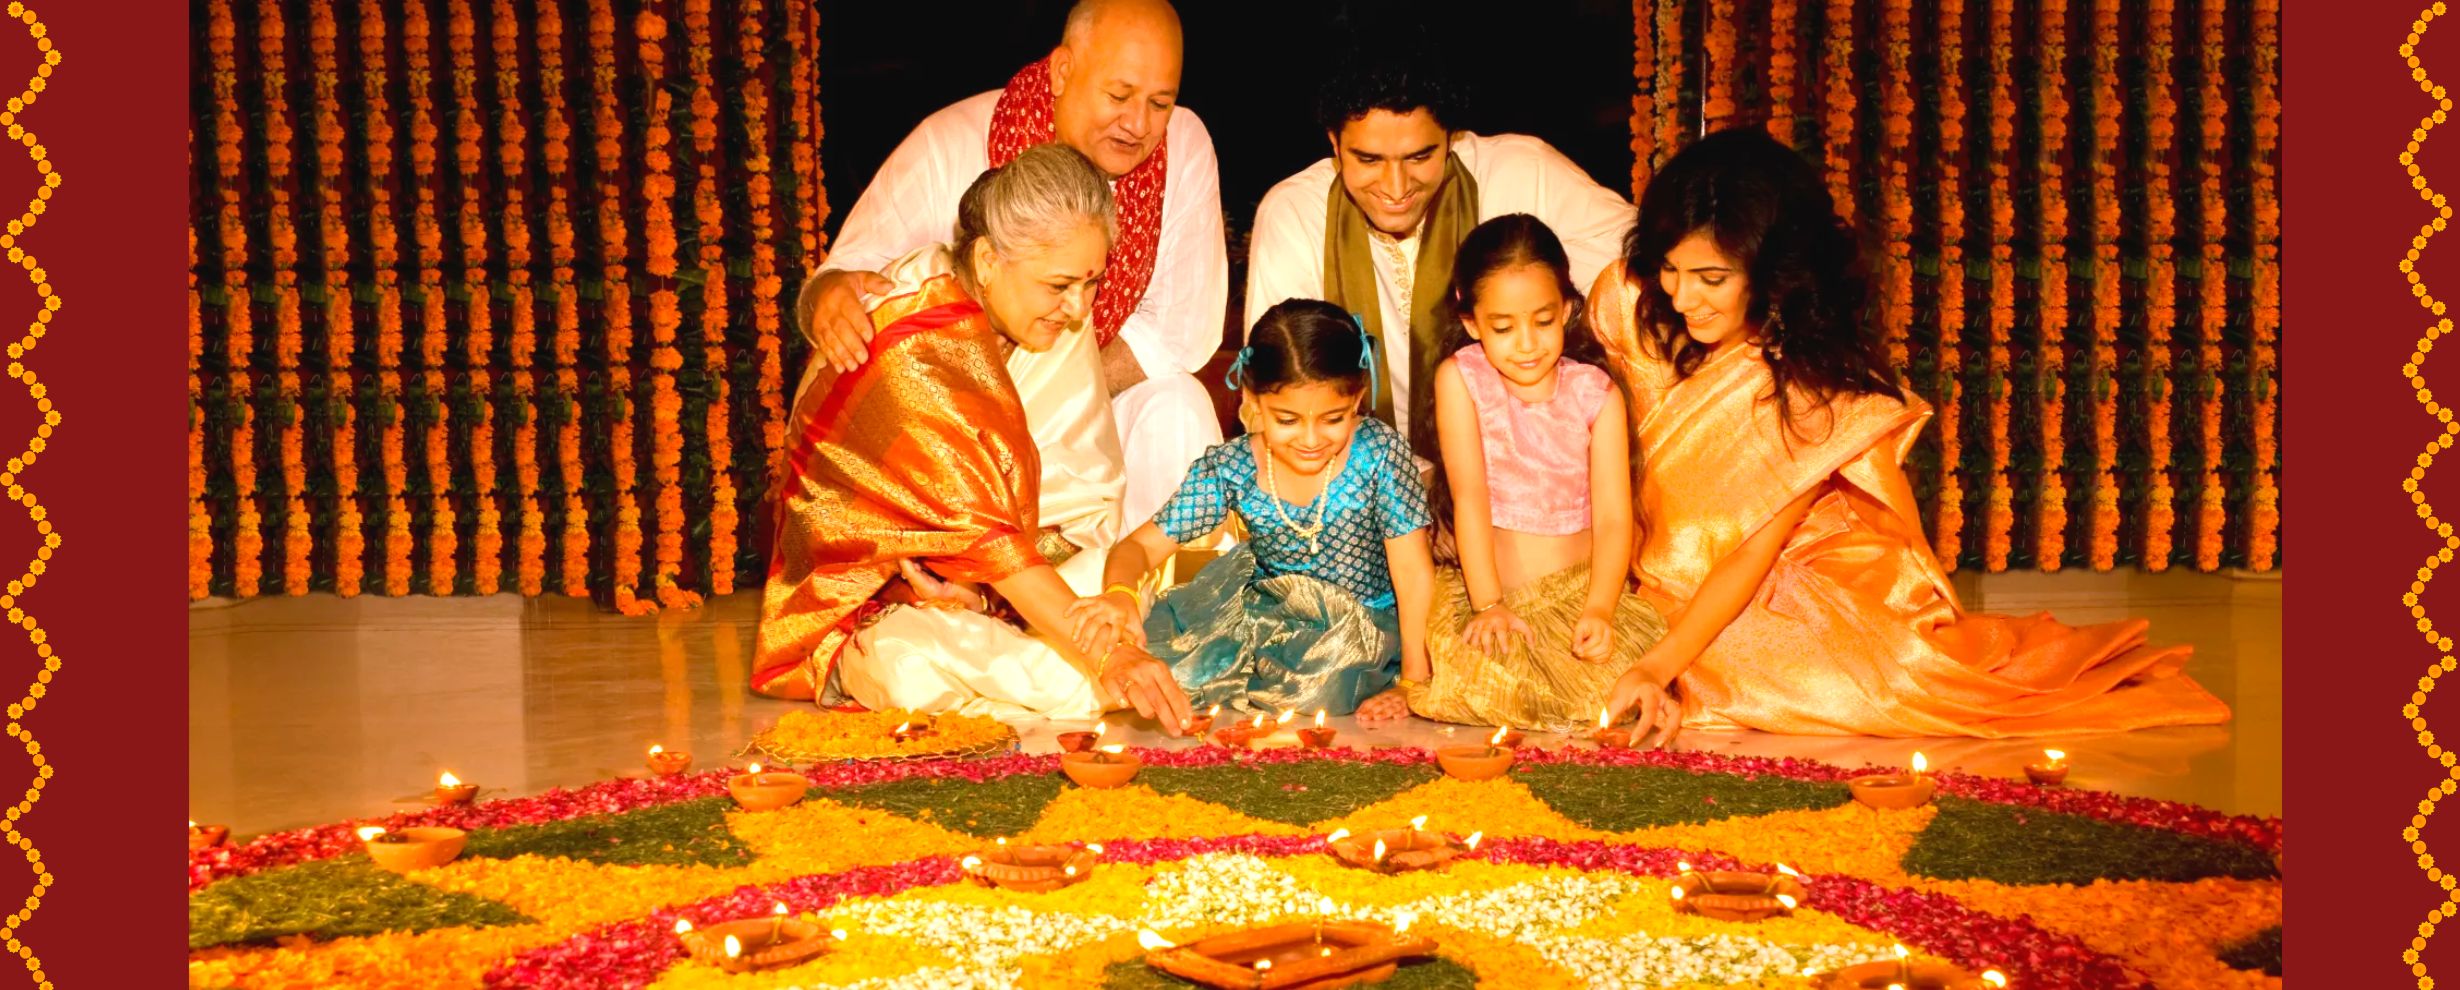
{"x": 1553, "y": 903}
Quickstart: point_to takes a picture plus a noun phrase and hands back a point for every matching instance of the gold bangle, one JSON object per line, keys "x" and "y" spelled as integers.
{"x": 1133, "y": 594}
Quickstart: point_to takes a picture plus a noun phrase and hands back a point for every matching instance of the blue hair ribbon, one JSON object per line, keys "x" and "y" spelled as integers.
{"x": 1366, "y": 357}
{"x": 1238, "y": 368}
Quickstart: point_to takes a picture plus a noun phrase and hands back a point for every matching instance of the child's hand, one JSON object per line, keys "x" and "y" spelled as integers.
{"x": 1099, "y": 624}
{"x": 1390, "y": 706}
{"x": 1593, "y": 638}
{"x": 1491, "y": 631}
{"x": 1657, "y": 711}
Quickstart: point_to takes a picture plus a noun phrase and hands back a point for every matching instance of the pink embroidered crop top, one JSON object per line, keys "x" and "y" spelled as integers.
{"x": 1537, "y": 453}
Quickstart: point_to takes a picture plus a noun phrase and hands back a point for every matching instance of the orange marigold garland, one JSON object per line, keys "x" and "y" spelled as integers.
{"x": 1837, "y": 121}
{"x": 248, "y": 547}
{"x": 2161, "y": 286}
{"x": 2264, "y": 510}
{"x": 1643, "y": 93}
{"x": 556, "y": 153}
{"x": 709, "y": 210}
{"x": 1719, "y": 38}
{"x": 2102, "y": 517}
{"x": 348, "y": 542}
{"x": 1999, "y": 518}
{"x": 665, "y": 317}
{"x": 1783, "y": 66}
{"x": 434, "y": 400}
{"x": 384, "y": 244}
{"x": 200, "y": 518}
{"x": 609, "y": 114}
{"x": 2212, "y": 284}
{"x": 2050, "y": 546}
{"x": 1949, "y": 538}
{"x": 1896, "y": 194}
{"x": 530, "y": 548}
{"x": 487, "y": 531}
{"x": 1670, "y": 62}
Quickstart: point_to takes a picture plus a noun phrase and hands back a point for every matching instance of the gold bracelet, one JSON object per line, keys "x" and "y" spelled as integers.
{"x": 1134, "y": 594}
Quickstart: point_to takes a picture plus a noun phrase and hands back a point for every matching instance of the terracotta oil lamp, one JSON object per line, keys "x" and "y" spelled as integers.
{"x": 1895, "y": 792}
{"x": 1472, "y": 763}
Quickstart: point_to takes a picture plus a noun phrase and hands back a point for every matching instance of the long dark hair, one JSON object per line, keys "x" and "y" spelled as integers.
{"x": 1507, "y": 241}
{"x": 1767, "y": 209}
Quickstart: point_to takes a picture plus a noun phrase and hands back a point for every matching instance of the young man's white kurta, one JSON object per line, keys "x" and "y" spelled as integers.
{"x": 1515, "y": 173}
{"x": 1165, "y": 421}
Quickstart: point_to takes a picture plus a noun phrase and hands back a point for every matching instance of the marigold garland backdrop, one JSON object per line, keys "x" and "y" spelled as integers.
{"x": 570, "y": 376}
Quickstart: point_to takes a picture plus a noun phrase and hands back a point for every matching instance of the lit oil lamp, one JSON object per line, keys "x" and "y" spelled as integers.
{"x": 667, "y": 763}
{"x": 1080, "y": 741}
{"x": 1895, "y": 791}
{"x": 1318, "y": 737}
{"x": 757, "y": 791}
{"x": 1472, "y": 763}
{"x": 450, "y": 789}
{"x": 1198, "y": 725}
{"x": 1109, "y": 766}
{"x": 408, "y": 849}
{"x": 206, "y": 836}
{"x": 1610, "y": 735}
{"x": 2052, "y": 770}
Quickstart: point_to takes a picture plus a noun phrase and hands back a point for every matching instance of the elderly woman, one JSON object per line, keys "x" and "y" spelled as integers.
{"x": 973, "y": 448}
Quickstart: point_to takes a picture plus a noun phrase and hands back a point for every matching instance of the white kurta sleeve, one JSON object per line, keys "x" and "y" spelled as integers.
{"x": 1177, "y": 326}
{"x": 1285, "y": 250}
{"x": 912, "y": 200}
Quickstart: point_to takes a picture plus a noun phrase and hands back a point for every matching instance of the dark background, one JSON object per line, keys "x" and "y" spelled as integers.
{"x": 1558, "y": 69}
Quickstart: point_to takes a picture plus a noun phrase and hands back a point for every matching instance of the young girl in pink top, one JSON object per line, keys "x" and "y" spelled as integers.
{"x": 1532, "y": 622}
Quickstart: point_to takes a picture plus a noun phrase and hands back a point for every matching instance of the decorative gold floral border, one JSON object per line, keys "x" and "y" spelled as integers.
{"x": 17, "y": 465}
{"x": 2443, "y": 530}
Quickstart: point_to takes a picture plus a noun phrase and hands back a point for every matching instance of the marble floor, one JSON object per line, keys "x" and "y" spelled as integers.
{"x": 310, "y": 710}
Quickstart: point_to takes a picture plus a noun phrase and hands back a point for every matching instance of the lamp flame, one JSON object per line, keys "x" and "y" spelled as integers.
{"x": 370, "y": 832}
{"x": 1319, "y": 718}
{"x": 1094, "y": 848}
{"x": 1286, "y": 715}
{"x": 1497, "y": 738}
{"x": 1101, "y": 730}
{"x": 900, "y": 729}
{"x": 1418, "y": 824}
{"x": 1678, "y": 893}
{"x": 1994, "y": 978}
{"x": 2056, "y": 756}
{"x": 1215, "y": 713}
{"x": 1259, "y": 721}
{"x": 1789, "y": 901}
{"x": 1337, "y": 835}
{"x": 655, "y": 749}
{"x": 682, "y": 926}
{"x": 1379, "y": 850}
{"x": 1115, "y": 749}
{"x": 1068, "y": 870}
{"x": 1605, "y": 718}
{"x": 779, "y": 910}
{"x": 1263, "y": 964}
{"x": 1683, "y": 865}
{"x": 1921, "y": 764}
{"x": 755, "y": 771}
{"x": 1472, "y": 841}
{"x": 192, "y": 823}
{"x": 1153, "y": 941}
{"x": 838, "y": 934}
{"x": 734, "y": 947}
{"x": 1402, "y": 921}
{"x": 1901, "y": 952}
{"x": 971, "y": 863}
{"x": 1788, "y": 871}
{"x": 446, "y": 779}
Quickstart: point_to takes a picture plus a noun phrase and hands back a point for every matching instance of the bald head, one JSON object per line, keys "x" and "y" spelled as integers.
{"x": 1115, "y": 77}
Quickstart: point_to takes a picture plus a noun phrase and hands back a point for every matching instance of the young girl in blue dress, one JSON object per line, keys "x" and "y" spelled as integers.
{"x": 1325, "y": 605}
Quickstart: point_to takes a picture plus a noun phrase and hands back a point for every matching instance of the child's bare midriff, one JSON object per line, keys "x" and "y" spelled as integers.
{"x": 1524, "y": 557}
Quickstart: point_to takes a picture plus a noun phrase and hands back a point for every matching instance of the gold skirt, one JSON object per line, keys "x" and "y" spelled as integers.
{"x": 1536, "y": 683}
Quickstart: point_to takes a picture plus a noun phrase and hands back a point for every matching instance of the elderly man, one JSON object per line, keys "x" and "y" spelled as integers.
{"x": 1374, "y": 227}
{"x": 1109, "y": 90}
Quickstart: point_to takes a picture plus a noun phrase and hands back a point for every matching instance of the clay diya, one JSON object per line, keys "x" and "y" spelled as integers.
{"x": 666, "y": 763}
{"x": 750, "y": 944}
{"x": 1198, "y": 725}
{"x": 1296, "y": 956}
{"x": 2051, "y": 771}
{"x": 206, "y": 836}
{"x": 450, "y": 789}
{"x": 906, "y": 732}
{"x": 1242, "y": 733}
{"x": 1473, "y": 763}
{"x": 1895, "y": 791}
{"x": 1910, "y": 975}
{"x": 757, "y": 791}
{"x": 1399, "y": 850}
{"x": 1083, "y": 742}
{"x": 1031, "y": 869}
{"x": 1610, "y": 735}
{"x": 1318, "y": 737}
{"x": 419, "y": 848}
{"x": 1109, "y": 766}
{"x": 1731, "y": 895}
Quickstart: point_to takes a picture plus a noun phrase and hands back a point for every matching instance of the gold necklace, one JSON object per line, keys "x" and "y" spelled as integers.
{"x": 1312, "y": 532}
